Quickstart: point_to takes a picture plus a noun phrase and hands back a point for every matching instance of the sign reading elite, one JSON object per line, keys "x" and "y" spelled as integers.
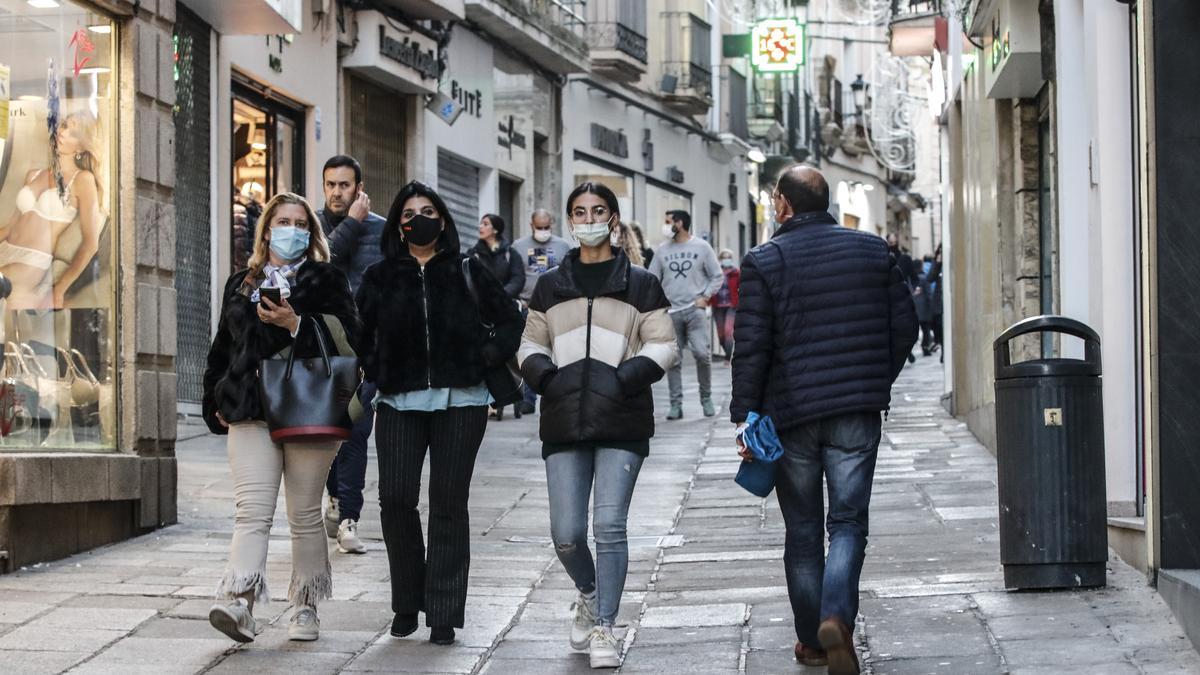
{"x": 777, "y": 45}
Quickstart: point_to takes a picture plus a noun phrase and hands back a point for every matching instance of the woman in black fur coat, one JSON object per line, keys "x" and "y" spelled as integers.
{"x": 425, "y": 347}
{"x": 291, "y": 255}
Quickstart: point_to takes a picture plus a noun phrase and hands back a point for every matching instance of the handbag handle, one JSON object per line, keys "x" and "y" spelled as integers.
{"x": 82, "y": 367}
{"x": 320, "y": 345}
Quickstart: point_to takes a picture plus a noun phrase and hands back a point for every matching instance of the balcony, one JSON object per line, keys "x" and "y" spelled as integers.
{"x": 549, "y": 32}
{"x": 686, "y": 83}
{"x": 735, "y": 104}
{"x": 442, "y": 10}
{"x": 251, "y": 17}
{"x": 916, "y": 27}
{"x": 616, "y": 33}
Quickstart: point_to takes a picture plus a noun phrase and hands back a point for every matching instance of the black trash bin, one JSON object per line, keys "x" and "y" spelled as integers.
{"x": 1050, "y": 459}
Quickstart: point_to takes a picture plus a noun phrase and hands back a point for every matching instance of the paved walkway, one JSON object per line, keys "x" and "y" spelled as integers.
{"x": 706, "y": 591}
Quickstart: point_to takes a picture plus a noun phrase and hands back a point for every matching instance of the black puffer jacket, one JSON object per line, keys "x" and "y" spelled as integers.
{"x": 242, "y": 340}
{"x": 504, "y": 264}
{"x": 422, "y": 328}
{"x": 824, "y": 324}
{"x": 593, "y": 360}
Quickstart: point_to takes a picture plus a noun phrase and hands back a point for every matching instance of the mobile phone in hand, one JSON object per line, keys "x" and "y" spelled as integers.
{"x": 273, "y": 293}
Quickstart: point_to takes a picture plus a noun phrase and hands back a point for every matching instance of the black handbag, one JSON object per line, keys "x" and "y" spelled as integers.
{"x": 503, "y": 381}
{"x": 309, "y": 400}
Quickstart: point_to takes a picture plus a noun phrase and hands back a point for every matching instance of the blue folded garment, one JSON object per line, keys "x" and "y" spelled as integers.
{"x": 758, "y": 474}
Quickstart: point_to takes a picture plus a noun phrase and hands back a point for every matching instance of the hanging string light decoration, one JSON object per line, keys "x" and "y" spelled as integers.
{"x": 890, "y": 116}
{"x": 864, "y": 12}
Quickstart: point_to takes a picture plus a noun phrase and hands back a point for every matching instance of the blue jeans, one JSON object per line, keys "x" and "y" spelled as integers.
{"x": 348, "y": 473}
{"x": 569, "y": 476}
{"x": 843, "y": 450}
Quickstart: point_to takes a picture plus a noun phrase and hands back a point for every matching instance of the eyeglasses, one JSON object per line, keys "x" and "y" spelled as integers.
{"x": 599, "y": 214}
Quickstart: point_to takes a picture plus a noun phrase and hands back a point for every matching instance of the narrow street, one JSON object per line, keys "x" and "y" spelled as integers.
{"x": 706, "y": 590}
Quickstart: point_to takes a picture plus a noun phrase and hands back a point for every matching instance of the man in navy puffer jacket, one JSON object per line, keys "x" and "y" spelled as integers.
{"x": 825, "y": 323}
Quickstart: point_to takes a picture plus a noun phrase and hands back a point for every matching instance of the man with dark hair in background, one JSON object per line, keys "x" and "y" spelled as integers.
{"x": 690, "y": 274}
{"x": 354, "y": 233}
{"x": 825, "y": 322}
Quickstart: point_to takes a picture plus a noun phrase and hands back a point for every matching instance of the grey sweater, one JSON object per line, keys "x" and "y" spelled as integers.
{"x": 538, "y": 259}
{"x": 688, "y": 271}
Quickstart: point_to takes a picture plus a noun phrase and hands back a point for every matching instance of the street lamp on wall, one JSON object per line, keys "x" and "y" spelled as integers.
{"x": 858, "y": 89}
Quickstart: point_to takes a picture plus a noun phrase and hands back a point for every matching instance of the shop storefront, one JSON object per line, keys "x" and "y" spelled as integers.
{"x": 88, "y": 298}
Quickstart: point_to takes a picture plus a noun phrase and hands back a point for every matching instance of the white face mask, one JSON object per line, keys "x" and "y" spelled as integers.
{"x": 668, "y": 231}
{"x": 592, "y": 234}
{"x": 541, "y": 236}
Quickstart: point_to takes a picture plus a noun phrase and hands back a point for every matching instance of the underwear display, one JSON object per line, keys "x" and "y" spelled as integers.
{"x": 11, "y": 253}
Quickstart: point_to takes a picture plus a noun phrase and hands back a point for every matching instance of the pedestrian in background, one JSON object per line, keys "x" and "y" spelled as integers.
{"x": 291, "y": 255}
{"x": 690, "y": 275}
{"x": 923, "y": 299}
{"x": 354, "y": 232}
{"x": 622, "y": 238}
{"x": 935, "y": 276}
{"x": 725, "y": 302}
{"x": 907, "y": 270}
{"x": 425, "y": 346}
{"x": 597, "y": 338}
{"x": 494, "y": 253}
{"x": 821, "y": 366}
{"x": 647, "y": 252}
{"x": 542, "y": 251}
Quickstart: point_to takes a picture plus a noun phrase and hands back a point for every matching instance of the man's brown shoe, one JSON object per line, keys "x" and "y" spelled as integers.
{"x": 809, "y": 656}
{"x": 838, "y": 642}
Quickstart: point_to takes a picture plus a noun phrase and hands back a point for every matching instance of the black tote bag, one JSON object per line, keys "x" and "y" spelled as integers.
{"x": 503, "y": 381}
{"x": 308, "y": 400}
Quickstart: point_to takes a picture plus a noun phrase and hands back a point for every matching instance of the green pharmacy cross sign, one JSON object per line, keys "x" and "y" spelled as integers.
{"x": 777, "y": 45}
{"x": 774, "y": 45}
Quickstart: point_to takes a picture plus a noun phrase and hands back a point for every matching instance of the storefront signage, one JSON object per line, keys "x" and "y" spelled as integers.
{"x": 610, "y": 141}
{"x": 409, "y": 53}
{"x": 777, "y": 45}
{"x": 675, "y": 174}
{"x": 510, "y": 137}
{"x": 471, "y": 101}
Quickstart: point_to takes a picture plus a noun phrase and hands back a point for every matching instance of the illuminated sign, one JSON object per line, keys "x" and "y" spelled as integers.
{"x": 777, "y": 45}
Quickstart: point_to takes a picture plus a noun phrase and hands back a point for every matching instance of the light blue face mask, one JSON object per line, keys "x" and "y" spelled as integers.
{"x": 289, "y": 242}
{"x": 927, "y": 266}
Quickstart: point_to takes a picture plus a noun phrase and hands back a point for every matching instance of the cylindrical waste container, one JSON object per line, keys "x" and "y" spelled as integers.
{"x": 1050, "y": 461}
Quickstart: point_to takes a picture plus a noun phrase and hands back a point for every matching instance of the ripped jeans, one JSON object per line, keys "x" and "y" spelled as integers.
{"x": 569, "y": 476}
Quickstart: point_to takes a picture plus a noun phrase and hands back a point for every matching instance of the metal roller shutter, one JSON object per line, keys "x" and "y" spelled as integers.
{"x": 193, "y": 217}
{"x": 458, "y": 185}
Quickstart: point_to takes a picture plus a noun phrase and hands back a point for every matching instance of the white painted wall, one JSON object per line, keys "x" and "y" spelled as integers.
{"x": 472, "y": 137}
{"x": 1110, "y": 206}
{"x": 1096, "y": 220}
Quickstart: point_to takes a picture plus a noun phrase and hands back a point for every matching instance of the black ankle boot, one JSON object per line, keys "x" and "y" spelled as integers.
{"x": 404, "y": 625}
{"x": 442, "y": 635}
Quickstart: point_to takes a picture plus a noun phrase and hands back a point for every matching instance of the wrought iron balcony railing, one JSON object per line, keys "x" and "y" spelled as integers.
{"x": 687, "y": 52}
{"x": 619, "y": 25}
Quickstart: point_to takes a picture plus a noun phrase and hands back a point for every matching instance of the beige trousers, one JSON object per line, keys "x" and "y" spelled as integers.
{"x": 257, "y": 464}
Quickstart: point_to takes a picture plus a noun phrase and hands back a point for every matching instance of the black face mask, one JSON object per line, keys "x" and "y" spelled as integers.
{"x": 421, "y": 230}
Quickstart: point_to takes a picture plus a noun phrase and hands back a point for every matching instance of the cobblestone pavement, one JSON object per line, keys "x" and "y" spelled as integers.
{"x": 706, "y": 590}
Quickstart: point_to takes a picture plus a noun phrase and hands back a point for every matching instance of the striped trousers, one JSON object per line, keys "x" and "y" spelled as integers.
{"x": 435, "y": 583}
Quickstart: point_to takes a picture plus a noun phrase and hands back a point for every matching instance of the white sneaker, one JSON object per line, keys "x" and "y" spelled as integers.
{"x": 347, "y": 538}
{"x": 234, "y": 620}
{"x": 333, "y": 516}
{"x": 585, "y": 620}
{"x": 304, "y": 626}
{"x": 604, "y": 650}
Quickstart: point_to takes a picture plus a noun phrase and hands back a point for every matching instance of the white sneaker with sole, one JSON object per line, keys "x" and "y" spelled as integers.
{"x": 604, "y": 649}
{"x": 304, "y": 626}
{"x": 333, "y": 516}
{"x": 585, "y": 621}
{"x": 234, "y": 620}
{"x": 347, "y": 538}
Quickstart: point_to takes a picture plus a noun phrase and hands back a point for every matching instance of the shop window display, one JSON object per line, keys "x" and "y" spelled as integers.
{"x": 57, "y": 213}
